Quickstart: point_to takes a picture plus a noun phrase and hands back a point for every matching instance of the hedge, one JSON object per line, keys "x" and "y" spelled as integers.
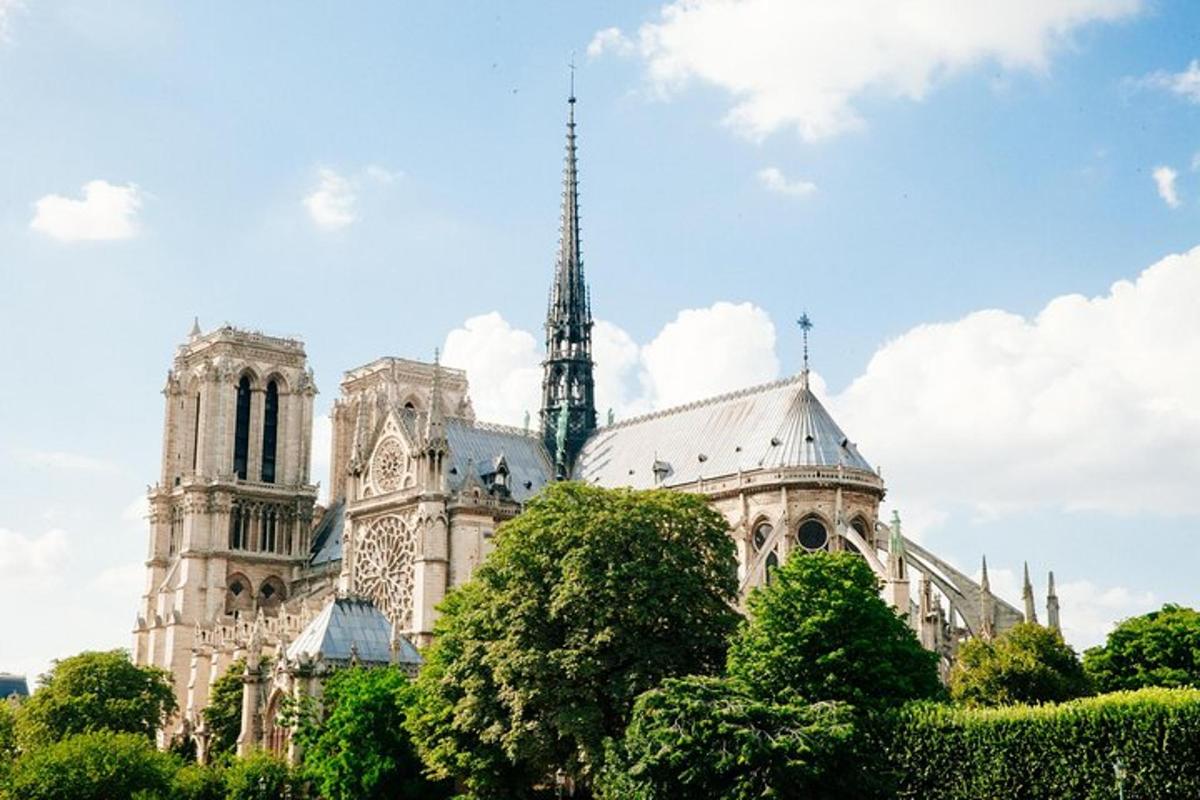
{"x": 941, "y": 752}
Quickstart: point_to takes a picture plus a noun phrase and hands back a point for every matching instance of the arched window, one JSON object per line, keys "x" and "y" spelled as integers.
{"x": 196, "y": 433}
{"x": 269, "y": 519}
{"x": 271, "y": 595}
{"x": 812, "y": 534}
{"x": 241, "y": 435}
{"x": 239, "y": 527}
{"x": 239, "y": 595}
{"x": 762, "y": 532}
{"x": 771, "y": 566}
{"x": 860, "y": 528}
{"x": 270, "y": 432}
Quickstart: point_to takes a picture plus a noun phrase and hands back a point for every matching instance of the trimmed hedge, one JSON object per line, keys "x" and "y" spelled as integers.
{"x": 940, "y": 752}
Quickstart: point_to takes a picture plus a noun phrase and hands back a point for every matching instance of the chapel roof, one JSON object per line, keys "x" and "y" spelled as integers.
{"x": 478, "y": 446}
{"x": 327, "y": 538}
{"x": 347, "y": 623}
{"x": 772, "y": 426}
{"x": 11, "y": 684}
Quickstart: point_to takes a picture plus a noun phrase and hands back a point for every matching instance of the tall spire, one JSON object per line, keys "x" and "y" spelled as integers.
{"x": 567, "y": 381}
{"x": 987, "y": 607}
{"x": 1027, "y": 596}
{"x": 1052, "y": 617}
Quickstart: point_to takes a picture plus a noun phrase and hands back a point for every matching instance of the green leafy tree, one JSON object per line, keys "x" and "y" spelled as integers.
{"x": 360, "y": 750}
{"x": 820, "y": 631}
{"x": 1161, "y": 648}
{"x": 703, "y": 738}
{"x": 260, "y": 776}
{"x": 8, "y": 739}
{"x": 198, "y": 782}
{"x": 591, "y": 597}
{"x": 1026, "y": 664}
{"x": 99, "y": 765}
{"x": 223, "y": 714}
{"x": 96, "y": 691}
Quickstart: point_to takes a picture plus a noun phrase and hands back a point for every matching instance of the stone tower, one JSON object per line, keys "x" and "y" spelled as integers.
{"x": 231, "y": 515}
{"x": 568, "y": 402}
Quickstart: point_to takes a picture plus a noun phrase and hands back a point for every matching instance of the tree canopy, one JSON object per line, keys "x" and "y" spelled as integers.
{"x": 360, "y": 749}
{"x": 591, "y": 597}
{"x": 223, "y": 714}
{"x": 1026, "y": 664}
{"x": 99, "y": 765}
{"x": 1161, "y": 648}
{"x": 96, "y": 691}
{"x": 702, "y": 738}
{"x": 820, "y": 631}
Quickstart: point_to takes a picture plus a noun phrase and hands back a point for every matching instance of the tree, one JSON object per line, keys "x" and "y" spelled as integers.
{"x": 820, "y": 631}
{"x": 360, "y": 750}
{"x": 591, "y": 597}
{"x": 1026, "y": 664}
{"x": 8, "y": 738}
{"x": 260, "y": 776}
{"x": 1161, "y": 648}
{"x": 99, "y": 765}
{"x": 702, "y": 738}
{"x": 198, "y": 782}
{"x": 223, "y": 714}
{"x": 96, "y": 691}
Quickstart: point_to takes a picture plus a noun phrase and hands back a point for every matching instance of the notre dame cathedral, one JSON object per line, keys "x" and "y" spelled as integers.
{"x": 244, "y": 564}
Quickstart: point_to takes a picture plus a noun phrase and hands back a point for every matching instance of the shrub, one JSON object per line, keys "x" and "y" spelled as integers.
{"x": 197, "y": 782}
{"x": 701, "y": 738}
{"x": 260, "y": 776}
{"x": 94, "y": 766}
{"x": 940, "y": 752}
{"x": 1025, "y": 664}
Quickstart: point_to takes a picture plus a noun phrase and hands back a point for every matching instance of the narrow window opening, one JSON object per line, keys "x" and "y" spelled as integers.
{"x": 196, "y": 434}
{"x": 270, "y": 432}
{"x": 241, "y": 436}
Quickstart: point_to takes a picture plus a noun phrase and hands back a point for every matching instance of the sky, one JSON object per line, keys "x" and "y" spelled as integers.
{"x": 990, "y": 211}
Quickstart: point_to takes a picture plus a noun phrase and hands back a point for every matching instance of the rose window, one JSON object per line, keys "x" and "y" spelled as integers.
{"x": 383, "y": 568}
{"x": 389, "y": 466}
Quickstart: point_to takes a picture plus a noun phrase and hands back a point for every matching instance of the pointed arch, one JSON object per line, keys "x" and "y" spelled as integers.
{"x": 241, "y": 431}
{"x": 270, "y": 430}
{"x": 239, "y": 595}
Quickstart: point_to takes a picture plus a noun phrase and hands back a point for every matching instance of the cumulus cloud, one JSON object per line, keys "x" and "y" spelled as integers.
{"x": 702, "y": 352}
{"x": 105, "y": 212}
{"x": 7, "y": 7}
{"x": 1186, "y": 84}
{"x": 1164, "y": 180}
{"x": 1088, "y": 405}
{"x": 773, "y": 180}
{"x": 331, "y": 202}
{"x": 32, "y": 557}
{"x": 610, "y": 40}
{"x": 124, "y": 580}
{"x": 503, "y": 367}
{"x": 804, "y": 65}
{"x": 1089, "y": 611}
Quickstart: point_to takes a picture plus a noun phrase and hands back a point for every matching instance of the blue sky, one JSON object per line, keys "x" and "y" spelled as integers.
{"x": 384, "y": 179}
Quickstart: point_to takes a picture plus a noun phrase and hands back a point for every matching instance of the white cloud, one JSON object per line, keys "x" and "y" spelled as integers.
{"x": 620, "y": 380}
{"x": 106, "y": 212}
{"x": 124, "y": 580}
{"x": 707, "y": 351}
{"x": 804, "y": 65}
{"x": 1164, "y": 180}
{"x": 502, "y": 364}
{"x": 60, "y": 460}
{"x": 1186, "y": 84}
{"x": 138, "y": 510}
{"x": 610, "y": 40}
{"x": 1089, "y": 612}
{"x": 1088, "y": 405}
{"x": 331, "y": 203}
{"x": 32, "y": 557}
{"x": 382, "y": 174}
{"x": 774, "y": 181}
{"x": 7, "y": 7}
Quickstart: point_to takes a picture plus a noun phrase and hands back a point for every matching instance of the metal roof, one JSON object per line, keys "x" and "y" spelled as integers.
{"x": 776, "y": 425}
{"x": 327, "y": 538}
{"x": 476, "y": 446}
{"x": 11, "y": 684}
{"x": 347, "y": 622}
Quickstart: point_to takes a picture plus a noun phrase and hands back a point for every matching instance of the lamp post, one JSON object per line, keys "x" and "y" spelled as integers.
{"x": 1119, "y": 772}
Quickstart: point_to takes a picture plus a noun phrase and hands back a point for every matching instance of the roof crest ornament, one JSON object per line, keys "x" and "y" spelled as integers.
{"x": 805, "y": 326}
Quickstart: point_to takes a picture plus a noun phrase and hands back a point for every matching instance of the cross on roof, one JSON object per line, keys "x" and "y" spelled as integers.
{"x": 805, "y": 326}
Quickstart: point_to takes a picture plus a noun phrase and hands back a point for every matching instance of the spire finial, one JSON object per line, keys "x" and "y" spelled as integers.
{"x": 805, "y": 326}
{"x": 571, "y": 66}
{"x": 1027, "y": 597}
{"x": 195, "y": 328}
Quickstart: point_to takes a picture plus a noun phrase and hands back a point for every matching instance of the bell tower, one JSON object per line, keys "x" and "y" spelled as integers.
{"x": 231, "y": 514}
{"x": 568, "y": 403}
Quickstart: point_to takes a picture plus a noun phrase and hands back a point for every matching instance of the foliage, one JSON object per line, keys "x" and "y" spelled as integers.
{"x": 8, "y": 736}
{"x": 197, "y": 782}
{"x": 591, "y": 597}
{"x": 260, "y": 776}
{"x": 820, "y": 631}
{"x": 701, "y": 738}
{"x": 223, "y": 714}
{"x": 361, "y": 750}
{"x": 1161, "y": 648}
{"x": 99, "y": 765}
{"x": 1026, "y": 664}
{"x": 942, "y": 752}
{"x": 96, "y": 691}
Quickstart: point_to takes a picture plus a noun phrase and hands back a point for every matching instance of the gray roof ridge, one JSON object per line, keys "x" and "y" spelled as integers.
{"x": 496, "y": 427}
{"x": 713, "y": 400}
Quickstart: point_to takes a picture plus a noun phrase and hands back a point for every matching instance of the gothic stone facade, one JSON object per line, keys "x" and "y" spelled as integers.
{"x": 243, "y": 561}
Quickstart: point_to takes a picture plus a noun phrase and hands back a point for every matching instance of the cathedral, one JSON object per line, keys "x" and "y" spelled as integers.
{"x": 244, "y": 563}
